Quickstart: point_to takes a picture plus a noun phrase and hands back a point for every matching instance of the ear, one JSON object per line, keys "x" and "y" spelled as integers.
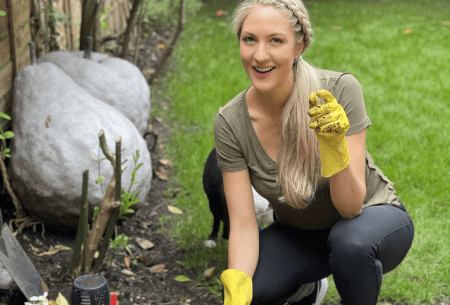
{"x": 299, "y": 49}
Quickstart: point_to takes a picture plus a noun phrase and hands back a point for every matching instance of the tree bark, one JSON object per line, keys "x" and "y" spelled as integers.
{"x": 87, "y": 21}
{"x": 97, "y": 32}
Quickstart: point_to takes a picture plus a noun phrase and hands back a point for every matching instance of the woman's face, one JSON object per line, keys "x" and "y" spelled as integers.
{"x": 268, "y": 42}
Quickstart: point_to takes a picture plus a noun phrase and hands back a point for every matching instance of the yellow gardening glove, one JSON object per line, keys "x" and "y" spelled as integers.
{"x": 330, "y": 123}
{"x": 238, "y": 287}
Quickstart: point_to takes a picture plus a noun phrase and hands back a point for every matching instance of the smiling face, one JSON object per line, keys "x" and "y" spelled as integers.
{"x": 268, "y": 42}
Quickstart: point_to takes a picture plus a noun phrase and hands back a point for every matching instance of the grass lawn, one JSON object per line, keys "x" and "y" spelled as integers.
{"x": 406, "y": 84}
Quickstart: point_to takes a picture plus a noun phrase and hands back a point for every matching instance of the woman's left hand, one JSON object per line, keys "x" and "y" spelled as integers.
{"x": 330, "y": 123}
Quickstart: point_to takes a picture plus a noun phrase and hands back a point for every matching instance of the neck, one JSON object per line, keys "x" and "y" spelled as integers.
{"x": 273, "y": 101}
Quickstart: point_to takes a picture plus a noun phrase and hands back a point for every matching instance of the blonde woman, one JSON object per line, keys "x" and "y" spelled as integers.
{"x": 337, "y": 213}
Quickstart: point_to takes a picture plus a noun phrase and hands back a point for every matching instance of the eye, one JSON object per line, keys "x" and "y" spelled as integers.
{"x": 278, "y": 39}
{"x": 247, "y": 39}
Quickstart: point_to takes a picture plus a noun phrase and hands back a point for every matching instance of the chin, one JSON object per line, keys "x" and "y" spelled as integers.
{"x": 263, "y": 87}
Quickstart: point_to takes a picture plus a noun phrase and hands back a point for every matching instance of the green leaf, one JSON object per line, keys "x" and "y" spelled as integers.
{"x": 4, "y": 115}
{"x": 9, "y": 134}
{"x": 2, "y": 13}
{"x": 104, "y": 25}
{"x": 7, "y": 155}
{"x": 182, "y": 278}
{"x": 137, "y": 156}
{"x": 6, "y": 150}
{"x": 137, "y": 167}
{"x": 2, "y": 137}
{"x": 99, "y": 179}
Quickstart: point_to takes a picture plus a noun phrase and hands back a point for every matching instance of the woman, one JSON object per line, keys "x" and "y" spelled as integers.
{"x": 337, "y": 213}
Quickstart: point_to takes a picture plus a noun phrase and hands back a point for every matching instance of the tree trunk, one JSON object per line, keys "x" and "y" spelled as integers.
{"x": 130, "y": 24}
{"x": 87, "y": 21}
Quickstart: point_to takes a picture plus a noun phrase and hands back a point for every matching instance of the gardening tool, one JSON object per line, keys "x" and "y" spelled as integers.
{"x": 19, "y": 265}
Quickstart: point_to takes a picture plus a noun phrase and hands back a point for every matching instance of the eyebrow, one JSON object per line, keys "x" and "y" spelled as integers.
{"x": 274, "y": 34}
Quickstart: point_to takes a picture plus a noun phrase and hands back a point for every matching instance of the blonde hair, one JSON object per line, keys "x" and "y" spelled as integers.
{"x": 298, "y": 159}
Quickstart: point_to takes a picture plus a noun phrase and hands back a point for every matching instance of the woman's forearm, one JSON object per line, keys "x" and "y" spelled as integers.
{"x": 243, "y": 249}
{"x": 347, "y": 192}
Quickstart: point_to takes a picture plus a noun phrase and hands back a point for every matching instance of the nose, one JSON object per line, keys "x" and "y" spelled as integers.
{"x": 261, "y": 53}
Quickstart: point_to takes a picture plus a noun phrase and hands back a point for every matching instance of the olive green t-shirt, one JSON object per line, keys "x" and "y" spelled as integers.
{"x": 238, "y": 148}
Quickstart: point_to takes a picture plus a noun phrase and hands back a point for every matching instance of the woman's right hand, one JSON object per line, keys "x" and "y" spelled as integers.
{"x": 238, "y": 287}
{"x": 243, "y": 243}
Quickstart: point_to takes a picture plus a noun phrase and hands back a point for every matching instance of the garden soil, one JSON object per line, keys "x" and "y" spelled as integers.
{"x": 146, "y": 287}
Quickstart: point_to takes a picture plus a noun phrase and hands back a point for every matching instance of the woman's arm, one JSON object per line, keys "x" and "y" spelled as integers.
{"x": 243, "y": 243}
{"x": 348, "y": 187}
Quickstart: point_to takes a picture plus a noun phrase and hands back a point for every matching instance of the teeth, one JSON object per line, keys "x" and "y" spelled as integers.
{"x": 263, "y": 70}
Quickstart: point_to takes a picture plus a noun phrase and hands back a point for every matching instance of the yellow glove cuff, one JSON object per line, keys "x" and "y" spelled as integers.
{"x": 237, "y": 286}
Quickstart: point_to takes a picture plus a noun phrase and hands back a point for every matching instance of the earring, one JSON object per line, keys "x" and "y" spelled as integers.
{"x": 298, "y": 59}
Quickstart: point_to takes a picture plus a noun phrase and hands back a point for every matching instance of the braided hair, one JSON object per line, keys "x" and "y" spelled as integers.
{"x": 298, "y": 159}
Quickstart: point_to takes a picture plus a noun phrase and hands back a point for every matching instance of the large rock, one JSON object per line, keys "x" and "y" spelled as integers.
{"x": 56, "y": 124}
{"x": 112, "y": 80}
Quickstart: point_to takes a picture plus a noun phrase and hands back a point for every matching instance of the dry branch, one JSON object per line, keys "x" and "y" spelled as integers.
{"x": 172, "y": 44}
{"x": 20, "y": 214}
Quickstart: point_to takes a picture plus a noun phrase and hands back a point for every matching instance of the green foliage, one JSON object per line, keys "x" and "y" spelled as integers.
{"x": 2, "y": 13}
{"x": 54, "y": 16}
{"x": 120, "y": 242}
{"x": 404, "y": 93}
{"x": 5, "y": 135}
{"x": 128, "y": 199}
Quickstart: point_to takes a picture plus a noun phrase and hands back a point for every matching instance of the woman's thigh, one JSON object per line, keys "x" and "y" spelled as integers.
{"x": 288, "y": 257}
{"x": 383, "y": 232}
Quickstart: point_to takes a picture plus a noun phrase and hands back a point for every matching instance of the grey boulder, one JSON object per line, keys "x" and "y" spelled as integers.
{"x": 56, "y": 124}
{"x": 112, "y": 80}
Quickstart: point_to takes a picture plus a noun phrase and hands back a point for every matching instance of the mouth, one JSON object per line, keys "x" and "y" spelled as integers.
{"x": 263, "y": 71}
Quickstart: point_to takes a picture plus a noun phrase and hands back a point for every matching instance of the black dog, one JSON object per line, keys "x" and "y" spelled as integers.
{"x": 213, "y": 186}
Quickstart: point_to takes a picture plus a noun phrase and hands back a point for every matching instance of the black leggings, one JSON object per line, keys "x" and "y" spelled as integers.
{"x": 357, "y": 251}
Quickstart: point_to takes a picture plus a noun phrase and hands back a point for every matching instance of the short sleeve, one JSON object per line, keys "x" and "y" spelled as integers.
{"x": 350, "y": 96}
{"x": 229, "y": 152}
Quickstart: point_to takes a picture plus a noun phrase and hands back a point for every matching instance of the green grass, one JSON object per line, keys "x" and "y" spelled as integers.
{"x": 405, "y": 80}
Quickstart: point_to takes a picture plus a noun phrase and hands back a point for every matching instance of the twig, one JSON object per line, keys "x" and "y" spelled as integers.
{"x": 151, "y": 282}
{"x": 19, "y": 210}
{"x": 117, "y": 36}
{"x": 172, "y": 44}
{"x": 157, "y": 207}
{"x": 108, "y": 154}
